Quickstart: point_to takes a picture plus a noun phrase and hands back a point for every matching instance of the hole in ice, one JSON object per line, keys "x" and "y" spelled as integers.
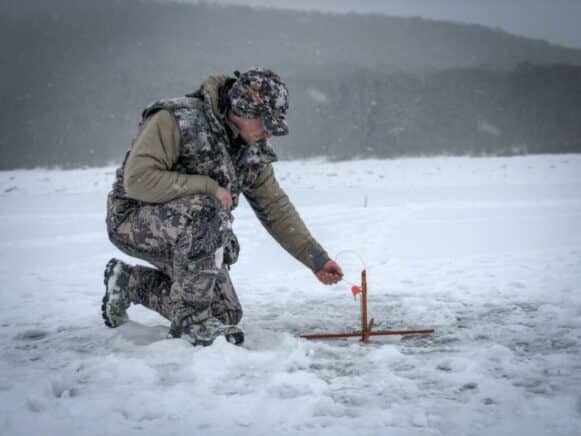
{"x": 469, "y": 386}
{"x": 31, "y": 335}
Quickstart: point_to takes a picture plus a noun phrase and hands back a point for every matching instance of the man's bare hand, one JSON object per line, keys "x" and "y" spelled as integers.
{"x": 225, "y": 197}
{"x": 330, "y": 274}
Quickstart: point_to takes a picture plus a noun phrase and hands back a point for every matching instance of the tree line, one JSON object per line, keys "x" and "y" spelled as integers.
{"x": 76, "y": 75}
{"x": 463, "y": 111}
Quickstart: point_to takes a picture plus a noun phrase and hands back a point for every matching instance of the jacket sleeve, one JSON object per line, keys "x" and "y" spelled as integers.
{"x": 280, "y": 218}
{"x": 148, "y": 176}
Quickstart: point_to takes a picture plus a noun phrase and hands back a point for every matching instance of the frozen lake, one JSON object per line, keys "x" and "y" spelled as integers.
{"x": 485, "y": 250}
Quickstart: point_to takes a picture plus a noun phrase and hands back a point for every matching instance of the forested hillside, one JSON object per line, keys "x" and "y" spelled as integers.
{"x": 77, "y": 74}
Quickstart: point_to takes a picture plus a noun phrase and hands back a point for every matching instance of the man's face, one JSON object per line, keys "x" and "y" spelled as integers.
{"x": 251, "y": 129}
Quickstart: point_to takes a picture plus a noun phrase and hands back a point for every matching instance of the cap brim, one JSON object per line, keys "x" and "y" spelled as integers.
{"x": 276, "y": 126}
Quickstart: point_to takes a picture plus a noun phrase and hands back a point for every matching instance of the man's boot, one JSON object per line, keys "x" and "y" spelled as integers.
{"x": 206, "y": 332}
{"x": 116, "y": 299}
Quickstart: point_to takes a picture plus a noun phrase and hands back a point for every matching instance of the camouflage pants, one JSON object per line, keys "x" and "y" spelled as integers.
{"x": 190, "y": 241}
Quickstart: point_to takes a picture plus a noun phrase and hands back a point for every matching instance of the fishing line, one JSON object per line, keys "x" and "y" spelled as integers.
{"x": 364, "y": 266}
{"x": 358, "y": 257}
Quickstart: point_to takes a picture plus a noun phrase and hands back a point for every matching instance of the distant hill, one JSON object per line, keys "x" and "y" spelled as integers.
{"x": 76, "y": 74}
{"x": 457, "y": 111}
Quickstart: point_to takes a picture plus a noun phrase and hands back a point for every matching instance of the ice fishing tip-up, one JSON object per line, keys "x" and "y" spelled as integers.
{"x": 366, "y": 327}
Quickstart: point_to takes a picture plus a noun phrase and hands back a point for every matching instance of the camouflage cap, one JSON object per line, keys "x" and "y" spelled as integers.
{"x": 260, "y": 93}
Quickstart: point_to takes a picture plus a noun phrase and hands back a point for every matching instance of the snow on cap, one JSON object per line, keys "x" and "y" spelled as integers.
{"x": 260, "y": 93}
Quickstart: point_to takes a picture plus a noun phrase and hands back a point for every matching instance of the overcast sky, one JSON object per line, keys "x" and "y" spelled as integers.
{"x": 557, "y": 21}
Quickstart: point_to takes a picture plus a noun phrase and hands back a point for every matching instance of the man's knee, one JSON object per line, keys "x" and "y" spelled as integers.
{"x": 201, "y": 211}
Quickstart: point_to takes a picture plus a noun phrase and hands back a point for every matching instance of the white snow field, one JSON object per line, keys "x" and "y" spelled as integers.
{"x": 485, "y": 250}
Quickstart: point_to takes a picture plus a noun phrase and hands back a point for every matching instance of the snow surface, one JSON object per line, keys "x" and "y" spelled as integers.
{"x": 486, "y": 251}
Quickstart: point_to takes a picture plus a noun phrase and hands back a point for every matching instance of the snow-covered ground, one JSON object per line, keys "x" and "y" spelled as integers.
{"x": 486, "y": 251}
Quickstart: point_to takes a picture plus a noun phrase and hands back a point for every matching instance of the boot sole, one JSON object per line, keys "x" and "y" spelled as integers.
{"x": 105, "y": 302}
{"x": 235, "y": 338}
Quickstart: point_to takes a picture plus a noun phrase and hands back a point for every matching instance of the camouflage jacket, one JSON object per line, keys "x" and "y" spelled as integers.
{"x": 183, "y": 148}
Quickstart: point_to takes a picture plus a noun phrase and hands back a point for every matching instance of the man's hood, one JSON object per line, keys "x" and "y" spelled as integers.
{"x": 209, "y": 92}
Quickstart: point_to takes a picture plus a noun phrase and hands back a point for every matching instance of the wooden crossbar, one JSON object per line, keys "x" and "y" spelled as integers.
{"x": 366, "y": 327}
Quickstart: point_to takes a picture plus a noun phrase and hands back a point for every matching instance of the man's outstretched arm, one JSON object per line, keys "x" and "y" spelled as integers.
{"x": 280, "y": 218}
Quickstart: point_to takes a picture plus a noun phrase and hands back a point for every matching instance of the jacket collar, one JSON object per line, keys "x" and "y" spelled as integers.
{"x": 209, "y": 93}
